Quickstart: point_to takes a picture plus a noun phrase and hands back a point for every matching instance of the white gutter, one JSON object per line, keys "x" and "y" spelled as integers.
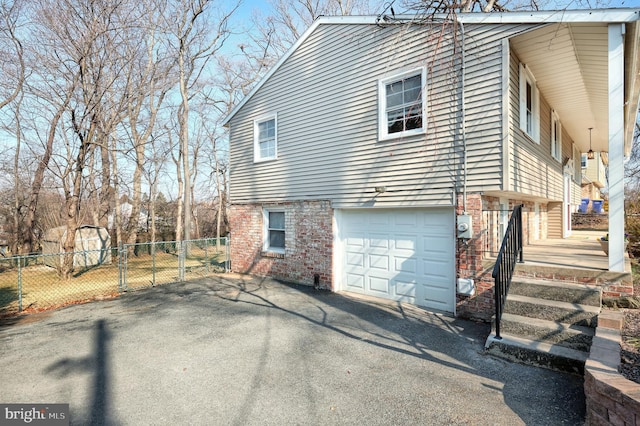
{"x": 538, "y": 17}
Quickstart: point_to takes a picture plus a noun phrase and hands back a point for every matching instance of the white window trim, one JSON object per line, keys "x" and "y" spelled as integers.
{"x": 265, "y": 230}
{"x": 256, "y": 145}
{"x": 383, "y": 133}
{"x": 556, "y": 151}
{"x": 526, "y": 76}
{"x": 577, "y": 171}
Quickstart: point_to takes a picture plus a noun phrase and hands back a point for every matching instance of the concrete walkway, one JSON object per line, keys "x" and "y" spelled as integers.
{"x": 235, "y": 350}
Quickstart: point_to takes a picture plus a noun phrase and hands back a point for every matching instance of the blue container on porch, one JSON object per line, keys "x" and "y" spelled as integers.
{"x": 584, "y": 205}
{"x": 597, "y": 206}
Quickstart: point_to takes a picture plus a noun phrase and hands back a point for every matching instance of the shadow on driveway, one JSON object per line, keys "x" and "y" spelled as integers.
{"x": 241, "y": 350}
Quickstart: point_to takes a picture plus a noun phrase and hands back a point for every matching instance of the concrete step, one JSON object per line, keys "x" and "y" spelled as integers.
{"x": 530, "y": 352}
{"x": 554, "y": 290}
{"x": 573, "y": 275}
{"x": 554, "y": 333}
{"x": 551, "y": 310}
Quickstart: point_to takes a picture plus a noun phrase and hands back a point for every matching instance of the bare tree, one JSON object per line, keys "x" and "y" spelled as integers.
{"x": 12, "y": 64}
{"x": 430, "y": 7}
{"x": 197, "y": 39}
{"x": 84, "y": 44}
{"x": 147, "y": 91}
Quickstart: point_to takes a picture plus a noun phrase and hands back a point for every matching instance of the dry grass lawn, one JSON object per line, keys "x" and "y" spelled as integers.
{"x": 43, "y": 289}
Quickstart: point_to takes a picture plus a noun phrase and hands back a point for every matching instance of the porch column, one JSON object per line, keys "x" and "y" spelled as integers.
{"x": 616, "y": 147}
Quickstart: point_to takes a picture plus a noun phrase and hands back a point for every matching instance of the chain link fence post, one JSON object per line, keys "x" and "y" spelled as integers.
{"x": 122, "y": 275}
{"x": 153, "y": 264}
{"x": 181, "y": 255}
{"x": 19, "y": 284}
{"x": 227, "y": 260}
{"x": 206, "y": 255}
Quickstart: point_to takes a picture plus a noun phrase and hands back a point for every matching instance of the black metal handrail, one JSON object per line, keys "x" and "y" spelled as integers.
{"x": 510, "y": 253}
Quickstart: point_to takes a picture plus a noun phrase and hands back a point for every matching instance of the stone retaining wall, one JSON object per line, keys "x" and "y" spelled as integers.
{"x": 611, "y": 399}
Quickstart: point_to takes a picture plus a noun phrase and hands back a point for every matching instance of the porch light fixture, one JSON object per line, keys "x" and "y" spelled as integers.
{"x": 590, "y": 155}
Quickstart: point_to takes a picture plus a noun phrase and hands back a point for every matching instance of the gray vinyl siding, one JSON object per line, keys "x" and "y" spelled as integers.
{"x": 326, "y": 98}
{"x": 534, "y": 172}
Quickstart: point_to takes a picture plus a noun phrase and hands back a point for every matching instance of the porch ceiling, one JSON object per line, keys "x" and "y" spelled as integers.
{"x": 569, "y": 62}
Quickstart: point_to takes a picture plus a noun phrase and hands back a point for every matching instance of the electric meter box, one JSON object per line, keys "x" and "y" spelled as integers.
{"x": 464, "y": 226}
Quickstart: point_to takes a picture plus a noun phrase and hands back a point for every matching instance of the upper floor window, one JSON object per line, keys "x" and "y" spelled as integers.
{"x": 265, "y": 138}
{"x": 529, "y": 104}
{"x": 556, "y": 136}
{"x": 402, "y": 104}
{"x": 577, "y": 171}
{"x": 274, "y": 230}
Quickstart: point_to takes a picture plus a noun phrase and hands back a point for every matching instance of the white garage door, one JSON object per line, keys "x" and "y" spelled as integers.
{"x": 399, "y": 254}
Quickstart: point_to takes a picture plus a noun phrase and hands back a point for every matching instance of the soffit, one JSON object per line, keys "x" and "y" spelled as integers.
{"x": 569, "y": 63}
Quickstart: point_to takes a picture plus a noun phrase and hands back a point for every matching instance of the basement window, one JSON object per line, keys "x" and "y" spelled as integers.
{"x": 274, "y": 230}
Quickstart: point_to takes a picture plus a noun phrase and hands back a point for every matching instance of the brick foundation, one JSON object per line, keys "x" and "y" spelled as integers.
{"x": 308, "y": 242}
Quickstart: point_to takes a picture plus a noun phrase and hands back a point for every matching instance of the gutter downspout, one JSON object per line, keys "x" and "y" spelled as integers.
{"x": 463, "y": 123}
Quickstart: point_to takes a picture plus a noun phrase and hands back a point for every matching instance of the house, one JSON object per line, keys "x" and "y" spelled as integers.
{"x": 594, "y": 175}
{"x": 126, "y": 209}
{"x": 356, "y": 156}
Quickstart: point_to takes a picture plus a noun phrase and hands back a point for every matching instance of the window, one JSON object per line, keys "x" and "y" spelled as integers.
{"x": 274, "y": 231}
{"x": 556, "y": 136}
{"x": 529, "y": 104}
{"x": 402, "y": 104}
{"x": 583, "y": 161}
{"x": 577, "y": 171}
{"x": 265, "y": 138}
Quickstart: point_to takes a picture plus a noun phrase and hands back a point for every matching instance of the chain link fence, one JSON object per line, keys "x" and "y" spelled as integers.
{"x": 33, "y": 283}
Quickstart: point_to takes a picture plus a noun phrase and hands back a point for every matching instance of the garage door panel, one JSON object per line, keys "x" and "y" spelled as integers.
{"x": 355, "y": 241}
{"x": 406, "y": 242}
{"x": 437, "y": 249}
{"x": 380, "y": 262}
{"x": 379, "y": 241}
{"x": 436, "y": 294}
{"x": 405, "y": 264}
{"x": 406, "y": 289}
{"x": 431, "y": 268}
{"x": 401, "y": 254}
{"x": 379, "y": 219}
{"x": 406, "y": 220}
{"x": 355, "y": 281}
{"x": 379, "y": 285}
{"x": 355, "y": 259}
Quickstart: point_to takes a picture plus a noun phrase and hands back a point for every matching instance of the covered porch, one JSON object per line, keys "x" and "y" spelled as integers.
{"x": 578, "y": 258}
{"x": 588, "y": 72}
{"x": 580, "y": 250}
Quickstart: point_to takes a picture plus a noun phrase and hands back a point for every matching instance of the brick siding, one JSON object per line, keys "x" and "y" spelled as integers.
{"x": 308, "y": 242}
{"x": 469, "y": 256}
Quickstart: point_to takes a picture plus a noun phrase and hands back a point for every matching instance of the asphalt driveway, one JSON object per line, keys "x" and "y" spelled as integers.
{"x": 236, "y": 350}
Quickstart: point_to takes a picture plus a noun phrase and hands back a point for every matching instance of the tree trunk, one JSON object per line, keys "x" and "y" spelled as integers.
{"x": 184, "y": 148}
{"x": 38, "y": 177}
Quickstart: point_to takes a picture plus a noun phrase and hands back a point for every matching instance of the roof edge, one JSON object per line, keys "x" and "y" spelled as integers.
{"x": 552, "y": 16}
{"x": 535, "y": 17}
